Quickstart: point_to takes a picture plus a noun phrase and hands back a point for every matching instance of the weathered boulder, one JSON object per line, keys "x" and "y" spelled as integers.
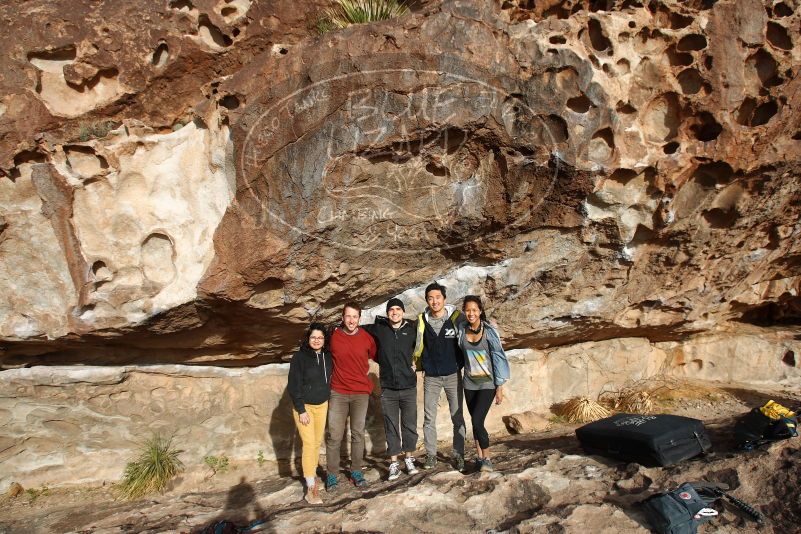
{"x": 625, "y": 172}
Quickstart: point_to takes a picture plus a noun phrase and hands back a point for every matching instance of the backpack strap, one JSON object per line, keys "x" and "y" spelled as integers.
{"x": 417, "y": 355}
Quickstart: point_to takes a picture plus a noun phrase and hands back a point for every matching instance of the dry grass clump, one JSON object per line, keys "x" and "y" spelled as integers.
{"x": 156, "y": 465}
{"x": 348, "y": 12}
{"x": 582, "y": 410}
{"x": 633, "y": 399}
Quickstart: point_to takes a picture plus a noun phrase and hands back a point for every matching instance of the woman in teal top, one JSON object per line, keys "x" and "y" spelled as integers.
{"x": 486, "y": 369}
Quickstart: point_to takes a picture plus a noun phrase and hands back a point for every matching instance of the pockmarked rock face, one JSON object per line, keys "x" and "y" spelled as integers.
{"x": 592, "y": 173}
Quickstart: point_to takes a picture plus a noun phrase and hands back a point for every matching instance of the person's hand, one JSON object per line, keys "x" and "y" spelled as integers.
{"x": 499, "y": 395}
{"x": 304, "y": 418}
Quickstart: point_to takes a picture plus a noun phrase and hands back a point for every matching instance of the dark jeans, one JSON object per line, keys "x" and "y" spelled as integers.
{"x": 478, "y": 404}
{"x": 401, "y": 435}
{"x": 340, "y": 407}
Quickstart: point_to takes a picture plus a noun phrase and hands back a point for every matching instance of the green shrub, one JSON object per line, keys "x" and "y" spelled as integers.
{"x": 260, "y": 458}
{"x": 217, "y": 464}
{"x": 348, "y": 12}
{"x": 156, "y": 465}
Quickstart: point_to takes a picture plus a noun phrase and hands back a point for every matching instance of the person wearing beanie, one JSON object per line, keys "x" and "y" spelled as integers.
{"x": 395, "y": 338}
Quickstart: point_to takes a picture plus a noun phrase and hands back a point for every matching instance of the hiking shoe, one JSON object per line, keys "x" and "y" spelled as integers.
{"x": 410, "y": 467}
{"x": 486, "y": 465}
{"x": 394, "y": 471}
{"x": 358, "y": 479}
{"x": 458, "y": 461}
{"x": 431, "y": 462}
{"x": 313, "y": 495}
{"x": 479, "y": 461}
{"x": 331, "y": 482}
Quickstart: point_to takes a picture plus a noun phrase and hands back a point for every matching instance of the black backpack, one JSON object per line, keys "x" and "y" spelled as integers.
{"x": 771, "y": 422}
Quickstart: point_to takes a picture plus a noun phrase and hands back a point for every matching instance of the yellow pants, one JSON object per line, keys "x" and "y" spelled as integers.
{"x": 311, "y": 436}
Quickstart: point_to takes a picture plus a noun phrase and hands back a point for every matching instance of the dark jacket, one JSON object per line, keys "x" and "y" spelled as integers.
{"x": 395, "y": 348}
{"x": 309, "y": 378}
{"x": 439, "y": 352}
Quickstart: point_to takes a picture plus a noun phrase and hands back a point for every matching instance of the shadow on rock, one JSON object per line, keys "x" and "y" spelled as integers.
{"x": 286, "y": 442}
{"x": 241, "y": 513}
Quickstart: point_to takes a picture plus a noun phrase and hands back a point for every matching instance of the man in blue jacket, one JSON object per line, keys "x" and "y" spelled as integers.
{"x": 438, "y": 355}
{"x": 395, "y": 337}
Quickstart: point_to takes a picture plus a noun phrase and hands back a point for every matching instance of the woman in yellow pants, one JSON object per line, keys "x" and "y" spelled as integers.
{"x": 309, "y": 387}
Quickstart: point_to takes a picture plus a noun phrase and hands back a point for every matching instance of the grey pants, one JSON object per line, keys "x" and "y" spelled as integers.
{"x": 340, "y": 407}
{"x": 432, "y": 386}
{"x": 401, "y": 434}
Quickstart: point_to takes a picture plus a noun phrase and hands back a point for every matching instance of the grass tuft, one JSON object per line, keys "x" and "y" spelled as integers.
{"x": 156, "y": 465}
{"x": 348, "y": 12}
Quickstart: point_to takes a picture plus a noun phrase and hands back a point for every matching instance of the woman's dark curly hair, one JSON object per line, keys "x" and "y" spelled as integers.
{"x": 477, "y": 300}
{"x": 304, "y": 344}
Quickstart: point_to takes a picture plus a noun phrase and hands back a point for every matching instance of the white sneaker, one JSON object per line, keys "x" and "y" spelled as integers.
{"x": 410, "y": 468}
{"x": 394, "y": 471}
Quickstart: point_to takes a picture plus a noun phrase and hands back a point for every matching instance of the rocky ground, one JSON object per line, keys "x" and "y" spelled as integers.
{"x": 543, "y": 483}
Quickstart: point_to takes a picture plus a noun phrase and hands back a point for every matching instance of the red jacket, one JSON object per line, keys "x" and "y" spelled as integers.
{"x": 351, "y": 354}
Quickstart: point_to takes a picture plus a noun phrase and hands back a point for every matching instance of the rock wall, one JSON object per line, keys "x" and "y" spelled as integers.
{"x": 76, "y": 425}
{"x": 594, "y": 170}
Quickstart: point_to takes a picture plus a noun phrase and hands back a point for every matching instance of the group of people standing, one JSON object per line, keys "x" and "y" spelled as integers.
{"x": 457, "y": 351}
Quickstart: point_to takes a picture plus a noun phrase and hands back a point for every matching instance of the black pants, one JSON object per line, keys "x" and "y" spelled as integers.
{"x": 478, "y": 404}
{"x": 401, "y": 431}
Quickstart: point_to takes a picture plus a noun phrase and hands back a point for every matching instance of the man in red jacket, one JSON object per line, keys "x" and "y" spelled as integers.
{"x": 351, "y": 350}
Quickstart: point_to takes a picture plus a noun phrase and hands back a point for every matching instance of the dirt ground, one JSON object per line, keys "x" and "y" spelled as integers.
{"x": 543, "y": 483}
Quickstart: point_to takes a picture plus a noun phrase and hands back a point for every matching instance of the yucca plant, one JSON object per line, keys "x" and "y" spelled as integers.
{"x": 348, "y": 12}
{"x": 156, "y": 465}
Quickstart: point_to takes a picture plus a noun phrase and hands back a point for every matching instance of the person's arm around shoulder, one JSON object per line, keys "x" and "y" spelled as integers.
{"x": 295, "y": 386}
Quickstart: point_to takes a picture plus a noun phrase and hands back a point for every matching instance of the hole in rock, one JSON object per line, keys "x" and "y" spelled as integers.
{"x": 556, "y": 11}
{"x": 782, "y": 10}
{"x": 706, "y": 128}
{"x": 228, "y": 11}
{"x": 556, "y": 127}
{"x": 691, "y": 42}
{"x": 607, "y": 136}
{"x": 623, "y": 66}
{"x": 690, "y": 81}
{"x": 789, "y": 358}
{"x": 52, "y": 60}
{"x": 745, "y": 111}
{"x": 235, "y": 32}
{"x": 632, "y": 24}
{"x": 229, "y": 102}
{"x": 678, "y": 59}
{"x": 598, "y": 38}
{"x": 579, "y": 104}
{"x": 720, "y": 218}
{"x": 708, "y": 61}
{"x": 679, "y": 21}
{"x": 671, "y": 147}
{"x": 270, "y": 284}
{"x": 766, "y": 68}
{"x": 181, "y": 5}
{"x": 601, "y": 5}
{"x": 785, "y": 310}
{"x": 100, "y": 271}
{"x": 158, "y": 258}
{"x": 797, "y": 136}
{"x": 777, "y": 36}
{"x": 629, "y": 4}
{"x": 211, "y": 34}
{"x": 662, "y": 117}
{"x": 623, "y": 176}
{"x": 160, "y": 56}
{"x": 436, "y": 170}
{"x": 709, "y": 175}
{"x": 764, "y": 112}
{"x": 557, "y": 39}
{"x": 28, "y": 156}
{"x": 625, "y": 108}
